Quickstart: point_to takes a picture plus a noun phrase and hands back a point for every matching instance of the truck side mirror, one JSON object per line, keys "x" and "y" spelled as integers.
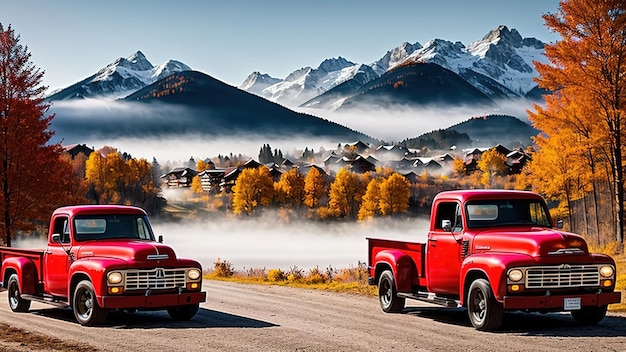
{"x": 446, "y": 225}
{"x": 160, "y": 239}
{"x": 56, "y": 238}
{"x": 559, "y": 224}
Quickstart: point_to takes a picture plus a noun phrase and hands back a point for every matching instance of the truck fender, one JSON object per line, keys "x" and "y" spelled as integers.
{"x": 400, "y": 264}
{"x": 94, "y": 271}
{"x": 487, "y": 267}
{"x": 26, "y": 272}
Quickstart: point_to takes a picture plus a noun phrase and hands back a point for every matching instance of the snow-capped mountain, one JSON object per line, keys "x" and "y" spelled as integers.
{"x": 502, "y": 55}
{"x": 499, "y": 65}
{"x": 257, "y": 81}
{"x": 304, "y": 83}
{"x": 120, "y": 78}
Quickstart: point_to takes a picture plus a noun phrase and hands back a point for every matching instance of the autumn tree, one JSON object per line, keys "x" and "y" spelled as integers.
{"x": 491, "y": 164}
{"x": 120, "y": 179}
{"x": 345, "y": 194}
{"x": 291, "y": 183}
{"x": 370, "y": 204}
{"x": 254, "y": 187}
{"x": 32, "y": 175}
{"x": 314, "y": 187}
{"x": 395, "y": 192}
{"x": 587, "y": 66}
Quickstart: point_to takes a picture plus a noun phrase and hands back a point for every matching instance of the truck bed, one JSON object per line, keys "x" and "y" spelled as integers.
{"x": 34, "y": 255}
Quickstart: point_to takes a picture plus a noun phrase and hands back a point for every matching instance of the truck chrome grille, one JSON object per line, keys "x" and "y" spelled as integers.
{"x": 563, "y": 276}
{"x": 158, "y": 278}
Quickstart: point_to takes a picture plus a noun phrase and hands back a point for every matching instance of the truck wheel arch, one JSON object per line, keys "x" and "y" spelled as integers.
{"x": 470, "y": 277}
{"x": 25, "y": 270}
{"x": 400, "y": 265}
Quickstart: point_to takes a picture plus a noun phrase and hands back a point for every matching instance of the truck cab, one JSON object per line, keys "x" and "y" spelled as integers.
{"x": 102, "y": 257}
{"x": 492, "y": 251}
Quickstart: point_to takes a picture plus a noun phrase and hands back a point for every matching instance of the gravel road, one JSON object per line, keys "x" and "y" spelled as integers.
{"x": 242, "y": 317}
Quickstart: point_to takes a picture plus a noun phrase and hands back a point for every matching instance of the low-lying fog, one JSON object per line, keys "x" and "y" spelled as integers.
{"x": 269, "y": 243}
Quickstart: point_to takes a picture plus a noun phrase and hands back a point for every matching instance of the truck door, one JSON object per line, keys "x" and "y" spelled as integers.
{"x": 56, "y": 260}
{"x": 443, "y": 253}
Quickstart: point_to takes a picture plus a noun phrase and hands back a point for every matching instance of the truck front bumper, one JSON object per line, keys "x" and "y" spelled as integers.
{"x": 557, "y": 302}
{"x": 153, "y": 301}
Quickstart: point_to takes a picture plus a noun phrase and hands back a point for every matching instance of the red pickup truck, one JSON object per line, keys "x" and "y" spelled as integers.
{"x": 492, "y": 251}
{"x": 102, "y": 257}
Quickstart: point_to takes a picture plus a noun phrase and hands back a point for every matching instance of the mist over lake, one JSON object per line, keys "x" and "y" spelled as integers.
{"x": 271, "y": 244}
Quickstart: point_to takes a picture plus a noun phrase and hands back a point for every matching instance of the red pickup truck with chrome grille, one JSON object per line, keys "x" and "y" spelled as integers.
{"x": 492, "y": 251}
{"x": 102, "y": 257}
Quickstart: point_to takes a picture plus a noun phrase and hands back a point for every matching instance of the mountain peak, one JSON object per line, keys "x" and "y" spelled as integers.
{"x": 333, "y": 64}
{"x": 139, "y": 62}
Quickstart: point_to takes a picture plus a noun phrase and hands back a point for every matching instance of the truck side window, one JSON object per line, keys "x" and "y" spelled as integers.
{"x": 447, "y": 211}
{"x": 61, "y": 226}
{"x": 457, "y": 224}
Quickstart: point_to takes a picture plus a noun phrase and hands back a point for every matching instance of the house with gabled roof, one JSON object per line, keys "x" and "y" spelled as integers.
{"x": 74, "y": 149}
{"x": 179, "y": 177}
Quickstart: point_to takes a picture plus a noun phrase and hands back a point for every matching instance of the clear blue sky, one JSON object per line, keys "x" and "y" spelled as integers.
{"x": 229, "y": 39}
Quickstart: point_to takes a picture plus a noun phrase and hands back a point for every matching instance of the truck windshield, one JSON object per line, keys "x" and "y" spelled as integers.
{"x": 97, "y": 227}
{"x": 490, "y": 213}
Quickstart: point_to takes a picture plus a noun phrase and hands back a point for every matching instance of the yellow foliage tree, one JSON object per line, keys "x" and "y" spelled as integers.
{"x": 291, "y": 184}
{"x": 395, "y": 192}
{"x": 491, "y": 164}
{"x": 345, "y": 194}
{"x": 314, "y": 187}
{"x": 254, "y": 188}
{"x": 370, "y": 203}
{"x": 588, "y": 67}
{"x": 196, "y": 185}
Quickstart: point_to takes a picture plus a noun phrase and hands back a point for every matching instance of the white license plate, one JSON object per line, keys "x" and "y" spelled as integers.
{"x": 571, "y": 303}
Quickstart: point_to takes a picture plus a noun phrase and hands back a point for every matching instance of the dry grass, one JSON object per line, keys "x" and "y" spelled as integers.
{"x": 350, "y": 280}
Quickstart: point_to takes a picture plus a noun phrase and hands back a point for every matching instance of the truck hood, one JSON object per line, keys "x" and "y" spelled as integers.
{"x": 533, "y": 241}
{"x": 138, "y": 251}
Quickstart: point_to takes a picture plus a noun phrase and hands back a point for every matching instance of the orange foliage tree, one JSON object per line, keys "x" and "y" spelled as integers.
{"x": 370, "y": 203}
{"x": 395, "y": 192}
{"x": 315, "y": 187}
{"x": 33, "y": 178}
{"x": 113, "y": 179}
{"x": 254, "y": 188}
{"x": 291, "y": 183}
{"x": 588, "y": 66}
{"x": 345, "y": 194}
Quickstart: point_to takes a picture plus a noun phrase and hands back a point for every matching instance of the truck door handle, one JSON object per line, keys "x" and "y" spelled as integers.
{"x": 47, "y": 252}
{"x": 432, "y": 240}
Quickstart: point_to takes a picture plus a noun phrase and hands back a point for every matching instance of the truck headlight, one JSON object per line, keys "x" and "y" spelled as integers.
{"x": 606, "y": 271}
{"x": 516, "y": 275}
{"x": 115, "y": 277}
{"x": 193, "y": 274}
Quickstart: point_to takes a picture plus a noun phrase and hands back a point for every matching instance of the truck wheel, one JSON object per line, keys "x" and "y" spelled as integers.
{"x": 85, "y": 305}
{"x": 387, "y": 294}
{"x": 589, "y": 315}
{"x": 183, "y": 312}
{"x": 16, "y": 302}
{"x": 484, "y": 311}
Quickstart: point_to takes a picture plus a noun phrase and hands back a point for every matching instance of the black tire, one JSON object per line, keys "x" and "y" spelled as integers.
{"x": 16, "y": 302}
{"x": 388, "y": 294}
{"x": 85, "y": 306}
{"x": 485, "y": 313}
{"x": 183, "y": 312}
{"x": 589, "y": 315}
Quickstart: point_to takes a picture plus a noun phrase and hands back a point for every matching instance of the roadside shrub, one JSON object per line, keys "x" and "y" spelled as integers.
{"x": 255, "y": 272}
{"x": 275, "y": 275}
{"x": 295, "y": 274}
{"x": 316, "y": 276}
{"x": 223, "y": 268}
{"x": 358, "y": 274}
